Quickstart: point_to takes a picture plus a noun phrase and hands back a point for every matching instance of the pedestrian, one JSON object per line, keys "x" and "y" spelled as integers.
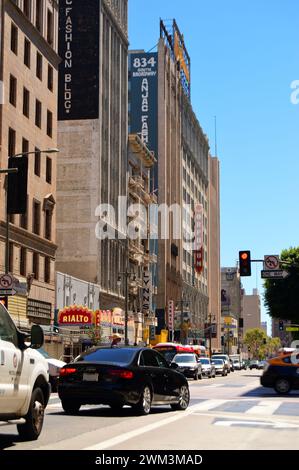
{"x": 116, "y": 339}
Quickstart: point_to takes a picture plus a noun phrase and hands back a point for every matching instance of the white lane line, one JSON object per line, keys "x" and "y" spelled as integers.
{"x": 209, "y": 405}
{"x": 281, "y": 425}
{"x": 264, "y": 408}
{"x": 137, "y": 432}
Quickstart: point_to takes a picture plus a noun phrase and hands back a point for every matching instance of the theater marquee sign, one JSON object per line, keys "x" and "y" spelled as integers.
{"x": 79, "y": 52}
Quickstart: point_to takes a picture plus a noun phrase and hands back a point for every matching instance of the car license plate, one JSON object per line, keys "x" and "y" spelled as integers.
{"x": 90, "y": 377}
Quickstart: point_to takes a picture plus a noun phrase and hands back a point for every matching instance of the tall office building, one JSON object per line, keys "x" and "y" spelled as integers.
{"x": 214, "y": 252}
{"x": 93, "y": 137}
{"x": 28, "y": 123}
{"x": 251, "y": 306}
{"x": 161, "y": 112}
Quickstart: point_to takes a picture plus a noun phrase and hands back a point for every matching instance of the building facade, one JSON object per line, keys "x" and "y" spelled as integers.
{"x": 93, "y": 137}
{"x": 28, "y": 123}
{"x": 251, "y": 307}
{"x": 214, "y": 269}
{"x": 161, "y": 112}
{"x": 231, "y": 309}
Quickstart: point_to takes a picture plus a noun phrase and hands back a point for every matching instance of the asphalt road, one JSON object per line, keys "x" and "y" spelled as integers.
{"x": 225, "y": 413}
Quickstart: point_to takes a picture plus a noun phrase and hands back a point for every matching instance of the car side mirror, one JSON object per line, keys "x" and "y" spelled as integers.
{"x": 37, "y": 337}
{"x": 174, "y": 365}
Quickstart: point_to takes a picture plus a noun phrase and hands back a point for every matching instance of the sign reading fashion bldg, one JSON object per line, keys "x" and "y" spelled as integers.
{"x": 79, "y": 52}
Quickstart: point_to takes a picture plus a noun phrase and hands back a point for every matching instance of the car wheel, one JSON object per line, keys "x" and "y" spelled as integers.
{"x": 31, "y": 430}
{"x": 183, "y": 399}
{"x": 144, "y": 405}
{"x": 196, "y": 376}
{"x": 70, "y": 407}
{"x": 282, "y": 386}
{"x": 210, "y": 375}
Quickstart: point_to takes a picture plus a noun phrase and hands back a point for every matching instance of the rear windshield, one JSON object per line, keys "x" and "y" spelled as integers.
{"x": 217, "y": 361}
{"x": 108, "y": 356}
{"x": 205, "y": 361}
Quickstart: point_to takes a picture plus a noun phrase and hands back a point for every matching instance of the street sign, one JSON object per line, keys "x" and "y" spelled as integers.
{"x": 271, "y": 263}
{"x": 170, "y": 309}
{"x": 275, "y": 274}
{"x": 292, "y": 328}
{"x": 6, "y": 281}
{"x": 7, "y": 292}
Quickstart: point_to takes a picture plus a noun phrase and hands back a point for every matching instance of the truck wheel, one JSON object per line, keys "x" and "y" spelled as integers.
{"x": 31, "y": 430}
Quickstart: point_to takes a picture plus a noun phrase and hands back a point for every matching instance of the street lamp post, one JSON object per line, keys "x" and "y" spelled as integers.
{"x": 127, "y": 274}
{"x": 11, "y": 171}
{"x": 210, "y": 333}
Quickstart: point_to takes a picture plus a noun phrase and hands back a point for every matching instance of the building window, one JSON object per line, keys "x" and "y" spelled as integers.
{"x": 37, "y": 162}
{"x": 47, "y": 270}
{"x": 27, "y": 53}
{"x": 27, "y": 8}
{"x": 39, "y": 66}
{"x": 13, "y": 90}
{"x": 14, "y": 39}
{"x": 24, "y": 218}
{"x": 49, "y": 170}
{"x": 23, "y": 256}
{"x": 36, "y": 217}
{"x": 48, "y": 224}
{"x": 49, "y": 123}
{"x": 11, "y": 142}
{"x": 38, "y": 114}
{"x": 50, "y": 27}
{"x": 26, "y": 102}
{"x": 50, "y": 78}
{"x": 39, "y": 15}
{"x": 10, "y": 257}
{"x": 35, "y": 265}
{"x": 25, "y": 146}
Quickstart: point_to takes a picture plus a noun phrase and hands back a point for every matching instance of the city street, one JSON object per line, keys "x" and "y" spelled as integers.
{"x": 225, "y": 413}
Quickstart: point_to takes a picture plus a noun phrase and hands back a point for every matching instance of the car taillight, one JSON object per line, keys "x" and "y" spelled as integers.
{"x": 67, "y": 371}
{"x": 121, "y": 374}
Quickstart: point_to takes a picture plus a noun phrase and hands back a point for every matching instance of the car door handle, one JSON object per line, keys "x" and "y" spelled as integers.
{"x": 2, "y": 358}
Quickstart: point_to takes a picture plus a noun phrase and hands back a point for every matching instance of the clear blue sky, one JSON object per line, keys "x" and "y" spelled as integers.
{"x": 245, "y": 54}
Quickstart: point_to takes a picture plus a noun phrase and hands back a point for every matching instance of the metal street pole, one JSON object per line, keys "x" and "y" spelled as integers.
{"x": 126, "y": 308}
{"x": 210, "y": 325}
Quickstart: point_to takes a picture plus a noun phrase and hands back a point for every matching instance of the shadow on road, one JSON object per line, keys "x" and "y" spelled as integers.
{"x": 268, "y": 392}
{"x": 104, "y": 412}
{"x": 9, "y": 440}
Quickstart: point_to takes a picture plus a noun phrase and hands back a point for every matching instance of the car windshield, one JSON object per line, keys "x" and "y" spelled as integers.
{"x": 217, "y": 361}
{"x": 184, "y": 358}
{"x": 219, "y": 357}
{"x": 204, "y": 361}
{"x": 108, "y": 356}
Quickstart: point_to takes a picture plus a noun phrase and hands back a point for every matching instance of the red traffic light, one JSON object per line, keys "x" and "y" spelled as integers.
{"x": 245, "y": 263}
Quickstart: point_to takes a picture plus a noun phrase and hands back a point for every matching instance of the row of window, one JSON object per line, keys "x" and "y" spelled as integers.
{"x": 14, "y": 44}
{"x": 25, "y": 149}
{"x": 27, "y": 8}
{"x": 26, "y": 106}
{"x": 36, "y": 220}
{"x": 23, "y": 265}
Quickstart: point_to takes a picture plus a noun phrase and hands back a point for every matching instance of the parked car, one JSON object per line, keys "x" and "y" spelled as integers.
{"x": 254, "y": 364}
{"x": 262, "y": 364}
{"x": 237, "y": 364}
{"x": 225, "y": 358}
{"x": 281, "y": 373}
{"x": 54, "y": 368}
{"x": 220, "y": 367}
{"x": 244, "y": 364}
{"x": 138, "y": 377}
{"x": 231, "y": 365}
{"x": 208, "y": 369}
{"x": 188, "y": 365}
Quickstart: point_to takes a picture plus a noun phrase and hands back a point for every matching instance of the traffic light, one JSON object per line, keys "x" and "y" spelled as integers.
{"x": 281, "y": 328}
{"x": 17, "y": 186}
{"x": 241, "y": 322}
{"x": 245, "y": 263}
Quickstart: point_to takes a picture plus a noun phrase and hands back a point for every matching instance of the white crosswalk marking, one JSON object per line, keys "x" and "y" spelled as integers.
{"x": 264, "y": 408}
{"x": 209, "y": 405}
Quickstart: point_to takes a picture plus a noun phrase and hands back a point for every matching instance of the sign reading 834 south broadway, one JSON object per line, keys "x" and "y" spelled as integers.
{"x": 144, "y": 100}
{"x": 79, "y": 52}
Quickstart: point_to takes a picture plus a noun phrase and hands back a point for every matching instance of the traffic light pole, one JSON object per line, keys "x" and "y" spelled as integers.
{"x": 7, "y": 172}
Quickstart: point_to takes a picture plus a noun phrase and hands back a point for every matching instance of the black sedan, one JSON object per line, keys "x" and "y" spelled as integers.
{"x": 137, "y": 377}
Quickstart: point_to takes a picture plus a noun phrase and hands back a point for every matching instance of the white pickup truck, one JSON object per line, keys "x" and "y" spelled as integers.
{"x": 24, "y": 378}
